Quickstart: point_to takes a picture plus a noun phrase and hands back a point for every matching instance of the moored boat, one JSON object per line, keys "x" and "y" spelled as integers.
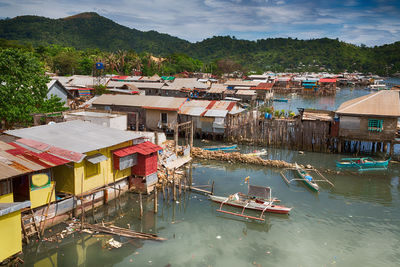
{"x": 216, "y": 148}
{"x": 306, "y": 178}
{"x": 363, "y": 163}
{"x": 259, "y": 198}
{"x": 281, "y": 99}
{"x": 257, "y": 153}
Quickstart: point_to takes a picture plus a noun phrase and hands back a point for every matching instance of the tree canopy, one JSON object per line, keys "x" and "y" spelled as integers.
{"x": 23, "y": 88}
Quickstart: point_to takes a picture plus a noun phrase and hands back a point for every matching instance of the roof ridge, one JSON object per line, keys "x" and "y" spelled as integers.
{"x": 358, "y": 102}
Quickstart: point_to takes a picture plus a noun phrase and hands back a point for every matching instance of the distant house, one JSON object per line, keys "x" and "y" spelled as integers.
{"x": 55, "y": 88}
{"x": 370, "y": 118}
{"x": 216, "y": 92}
{"x": 264, "y": 91}
{"x": 327, "y": 86}
{"x": 116, "y": 120}
{"x": 184, "y": 87}
{"x": 209, "y": 117}
{"x": 154, "y": 112}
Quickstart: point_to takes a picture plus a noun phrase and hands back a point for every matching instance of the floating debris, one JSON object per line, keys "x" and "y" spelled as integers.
{"x": 114, "y": 243}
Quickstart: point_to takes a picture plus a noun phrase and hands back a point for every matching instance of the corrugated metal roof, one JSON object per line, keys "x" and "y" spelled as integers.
{"x": 264, "y": 86}
{"x": 96, "y": 158}
{"x": 320, "y": 115}
{"x": 242, "y": 83}
{"x": 246, "y": 92}
{"x": 190, "y": 83}
{"x": 327, "y": 80}
{"x": 26, "y": 156}
{"x": 217, "y": 88}
{"x": 76, "y": 135}
{"x": 215, "y": 113}
{"x": 144, "y": 101}
{"x": 382, "y": 103}
{"x": 144, "y": 148}
{"x": 147, "y": 85}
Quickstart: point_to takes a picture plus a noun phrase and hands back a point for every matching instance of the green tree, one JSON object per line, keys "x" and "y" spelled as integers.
{"x": 23, "y": 88}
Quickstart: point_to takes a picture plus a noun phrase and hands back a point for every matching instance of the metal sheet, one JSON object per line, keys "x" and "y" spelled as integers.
{"x": 127, "y": 161}
{"x": 7, "y": 208}
{"x": 97, "y": 158}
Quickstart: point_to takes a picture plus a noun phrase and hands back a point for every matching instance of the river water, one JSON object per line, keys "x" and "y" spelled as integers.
{"x": 354, "y": 223}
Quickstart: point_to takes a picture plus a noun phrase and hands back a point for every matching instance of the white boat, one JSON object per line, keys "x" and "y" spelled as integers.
{"x": 257, "y": 153}
{"x": 377, "y": 85}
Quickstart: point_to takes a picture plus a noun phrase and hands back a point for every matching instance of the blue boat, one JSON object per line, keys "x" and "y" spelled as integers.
{"x": 281, "y": 100}
{"x": 363, "y": 164}
{"x": 223, "y": 148}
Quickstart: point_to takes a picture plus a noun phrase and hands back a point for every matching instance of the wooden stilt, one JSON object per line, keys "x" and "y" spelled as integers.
{"x": 155, "y": 199}
{"x": 141, "y": 205}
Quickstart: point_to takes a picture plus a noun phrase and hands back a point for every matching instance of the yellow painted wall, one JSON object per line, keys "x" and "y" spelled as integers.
{"x": 40, "y": 197}
{"x": 49, "y": 261}
{"x": 7, "y": 198}
{"x": 105, "y": 174}
{"x": 10, "y": 235}
{"x": 64, "y": 177}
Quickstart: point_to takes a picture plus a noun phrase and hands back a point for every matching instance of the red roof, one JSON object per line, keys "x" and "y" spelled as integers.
{"x": 327, "y": 80}
{"x": 145, "y": 148}
{"x": 119, "y": 77}
{"x": 263, "y": 86}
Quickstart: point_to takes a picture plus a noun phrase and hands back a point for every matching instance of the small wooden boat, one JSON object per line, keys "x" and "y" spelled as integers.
{"x": 216, "y": 148}
{"x": 257, "y": 153}
{"x": 306, "y": 178}
{"x": 363, "y": 164}
{"x": 281, "y": 99}
{"x": 258, "y": 198}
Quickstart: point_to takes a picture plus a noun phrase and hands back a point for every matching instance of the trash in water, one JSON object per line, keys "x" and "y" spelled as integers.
{"x": 113, "y": 243}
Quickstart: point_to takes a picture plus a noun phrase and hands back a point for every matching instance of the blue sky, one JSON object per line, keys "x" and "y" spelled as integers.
{"x": 370, "y": 22}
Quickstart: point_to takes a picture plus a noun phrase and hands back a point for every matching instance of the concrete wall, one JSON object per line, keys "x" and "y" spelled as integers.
{"x": 117, "y": 121}
{"x": 356, "y": 128}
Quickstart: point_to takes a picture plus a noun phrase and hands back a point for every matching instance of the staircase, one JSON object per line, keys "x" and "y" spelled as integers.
{"x": 29, "y": 225}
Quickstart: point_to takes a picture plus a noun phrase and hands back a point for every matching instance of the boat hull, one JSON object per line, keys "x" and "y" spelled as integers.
{"x": 220, "y": 148}
{"x": 253, "y": 206}
{"x": 310, "y": 185}
{"x": 352, "y": 163}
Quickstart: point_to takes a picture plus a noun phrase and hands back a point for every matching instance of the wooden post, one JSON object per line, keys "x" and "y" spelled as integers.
{"x": 212, "y": 188}
{"x": 137, "y": 121}
{"x": 155, "y": 199}
{"x": 105, "y": 196}
{"x": 141, "y": 205}
{"x": 391, "y": 149}
{"x": 83, "y": 213}
{"x": 176, "y": 136}
{"x": 173, "y": 188}
{"x": 191, "y": 135}
{"x": 163, "y": 189}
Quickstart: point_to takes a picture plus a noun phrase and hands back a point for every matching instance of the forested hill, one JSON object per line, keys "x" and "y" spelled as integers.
{"x": 90, "y": 30}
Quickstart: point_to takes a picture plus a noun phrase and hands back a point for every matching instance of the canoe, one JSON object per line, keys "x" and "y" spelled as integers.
{"x": 216, "y": 148}
{"x": 241, "y": 200}
{"x": 257, "y": 153}
{"x": 306, "y": 178}
{"x": 365, "y": 163}
{"x": 281, "y": 99}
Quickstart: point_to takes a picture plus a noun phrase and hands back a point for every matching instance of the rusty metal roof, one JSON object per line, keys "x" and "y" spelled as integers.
{"x": 317, "y": 115}
{"x": 383, "y": 103}
{"x": 217, "y": 88}
{"x": 25, "y": 156}
{"x": 143, "y": 101}
{"x": 242, "y": 83}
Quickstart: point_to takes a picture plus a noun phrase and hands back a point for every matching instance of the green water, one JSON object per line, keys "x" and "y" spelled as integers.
{"x": 356, "y": 223}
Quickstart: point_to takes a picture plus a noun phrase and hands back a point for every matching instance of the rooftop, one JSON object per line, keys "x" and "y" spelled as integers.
{"x": 383, "y": 103}
{"x": 76, "y": 135}
{"x": 144, "y": 101}
{"x": 189, "y": 83}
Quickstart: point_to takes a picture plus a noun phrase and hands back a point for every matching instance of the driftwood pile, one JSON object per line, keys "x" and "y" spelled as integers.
{"x": 237, "y": 157}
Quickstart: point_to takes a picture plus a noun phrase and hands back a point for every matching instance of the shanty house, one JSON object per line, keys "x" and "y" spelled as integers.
{"x": 55, "y": 88}
{"x": 184, "y": 87}
{"x": 154, "y": 112}
{"x": 208, "y": 116}
{"x": 310, "y": 86}
{"x": 116, "y": 120}
{"x": 327, "y": 86}
{"x": 96, "y": 142}
{"x": 371, "y": 117}
{"x": 264, "y": 91}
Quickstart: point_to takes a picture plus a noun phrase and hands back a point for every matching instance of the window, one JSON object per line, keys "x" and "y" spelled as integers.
{"x": 164, "y": 118}
{"x": 91, "y": 169}
{"x": 375, "y": 125}
{"x": 5, "y": 187}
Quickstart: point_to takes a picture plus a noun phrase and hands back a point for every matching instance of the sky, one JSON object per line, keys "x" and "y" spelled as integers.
{"x": 369, "y": 22}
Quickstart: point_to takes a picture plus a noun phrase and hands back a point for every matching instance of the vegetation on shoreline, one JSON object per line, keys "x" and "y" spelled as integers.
{"x": 90, "y": 35}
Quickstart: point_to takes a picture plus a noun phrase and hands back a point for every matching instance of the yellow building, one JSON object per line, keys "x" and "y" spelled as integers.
{"x": 96, "y": 143}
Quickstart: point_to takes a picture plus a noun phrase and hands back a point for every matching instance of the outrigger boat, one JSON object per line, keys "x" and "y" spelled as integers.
{"x": 281, "y": 100}
{"x": 306, "y": 177}
{"x": 257, "y": 153}
{"x": 363, "y": 164}
{"x": 216, "y": 148}
{"x": 258, "y": 198}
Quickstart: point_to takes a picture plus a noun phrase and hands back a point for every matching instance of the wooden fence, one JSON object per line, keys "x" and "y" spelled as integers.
{"x": 291, "y": 133}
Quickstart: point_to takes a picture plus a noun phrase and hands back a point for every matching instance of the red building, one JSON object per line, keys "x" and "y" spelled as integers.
{"x": 143, "y": 159}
